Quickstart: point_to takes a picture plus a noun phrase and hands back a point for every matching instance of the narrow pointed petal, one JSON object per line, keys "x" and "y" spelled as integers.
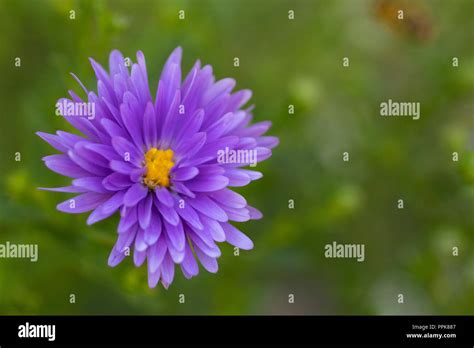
{"x": 185, "y": 173}
{"x": 153, "y": 231}
{"x": 189, "y": 263}
{"x": 255, "y": 214}
{"x": 236, "y": 238}
{"x": 175, "y": 235}
{"x": 91, "y": 183}
{"x": 229, "y": 198}
{"x": 145, "y": 211}
{"x": 113, "y": 203}
{"x": 208, "y": 207}
{"x": 68, "y": 189}
{"x": 53, "y": 140}
{"x": 208, "y": 262}
{"x": 135, "y": 194}
{"x": 156, "y": 254}
{"x": 208, "y": 183}
{"x": 168, "y": 214}
{"x": 149, "y": 126}
{"x": 189, "y": 215}
{"x": 82, "y": 203}
{"x": 167, "y": 270}
{"x": 164, "y": 196}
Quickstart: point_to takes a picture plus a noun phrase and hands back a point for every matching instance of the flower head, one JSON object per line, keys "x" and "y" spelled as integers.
{"x": 165, "y": 164}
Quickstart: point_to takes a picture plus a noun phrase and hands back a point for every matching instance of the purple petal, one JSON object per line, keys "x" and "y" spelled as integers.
{"x": 207, "y": 183}
{"x": 268, "y": 141}
{"x": 237, "y": 177}
{"x": 255, "y": 130}
{"x": 140, "y": 82}
{"x": 100, "y": 73}
{"x": 139, "y": 257}
{"x": 116, "y": 182}
{"x": 171, "y": 75}
{"x": 68, "y": 189}
{"x": 128, "y": 220}
{"x": 181, "y": 188}
{"x": 212, "y": 148}
{"x": 252, "y": 174}
{"x": 63, "y": 165}
{"x": 233, "y": 123}
{"x": 99, "y": 214}
{"x": 209, "y": 263}
{"x": 156, "y": 254}
{"x": 189, "y": 215}
{"x": 130, "y": 121}
{"x": 219, "y": 127}
{"x": 53, "y": 140}
{"x": 229, "y": 198}
{"x": 263, "y": 153}
{"x": 191, "y": 125}
{"x": 223, "y": 86}
{"x": 167, "y": 271}
{"x": 115, "y": 257}
{"x": 135, "y": 194}
{"x": 91, "y": 183}
{"x": 154, "y": 278}
{"x": 214, "y": 228}
{"x": 140, "y": 243}
{"x": 114, "y": 111}
{"x": 189, "y": 263}
{"x": 208, "y": 207}
{"x": 113, "y": 203}
{"x": 255, "y": 214}
{"x": 171, "y": 119}
{"x": 144, "y": 211}
{"x": 203, "y": 235}
{"x": 149, "y": 126}
{"x": 85, "y": 164}
{"x": 117, "y": 63}
{"x": 176, "y": 255}
{"x": 189, "y": 147}
{"x": 236, "y": 238}
{"x": 169, "y": 214}
{"x": 164, "y": 196}
{"x": 175, "y": 235}
{"x": 137, "y": 173}
{"x": 184, "y": 173}
{"x": 152, "y": 233}
{"x": 190, "y": 79}
{"x": 126, "y": 149}
{"x": 237, "y": 214}
{"x": 82, "y": 203}
{"x": 113, "y": 129}
{"x": 107, "y": 152}
{"x": 212, "y": 251}
{"x": 238, "y": 99}
{"x": 125, "y": 239}
{"x": 69, "y": 139}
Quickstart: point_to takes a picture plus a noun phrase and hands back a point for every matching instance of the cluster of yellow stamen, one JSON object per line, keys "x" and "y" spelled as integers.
{"x": 158, "y": 165}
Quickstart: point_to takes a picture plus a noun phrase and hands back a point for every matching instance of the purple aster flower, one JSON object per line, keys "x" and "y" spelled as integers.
{"x": 166, "y": 165}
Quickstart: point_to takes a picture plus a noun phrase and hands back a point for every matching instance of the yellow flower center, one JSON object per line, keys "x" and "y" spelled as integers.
{"x": 158, "y": 165}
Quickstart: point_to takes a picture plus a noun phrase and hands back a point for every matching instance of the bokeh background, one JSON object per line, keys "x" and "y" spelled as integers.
{"x": 284, "y": 62}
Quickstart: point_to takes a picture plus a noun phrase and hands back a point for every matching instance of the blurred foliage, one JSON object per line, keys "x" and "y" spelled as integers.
{"x": 284, "y": 62}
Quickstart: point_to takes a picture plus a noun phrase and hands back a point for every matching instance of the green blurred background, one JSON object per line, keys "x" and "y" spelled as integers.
{"x": 284, "y": 62}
